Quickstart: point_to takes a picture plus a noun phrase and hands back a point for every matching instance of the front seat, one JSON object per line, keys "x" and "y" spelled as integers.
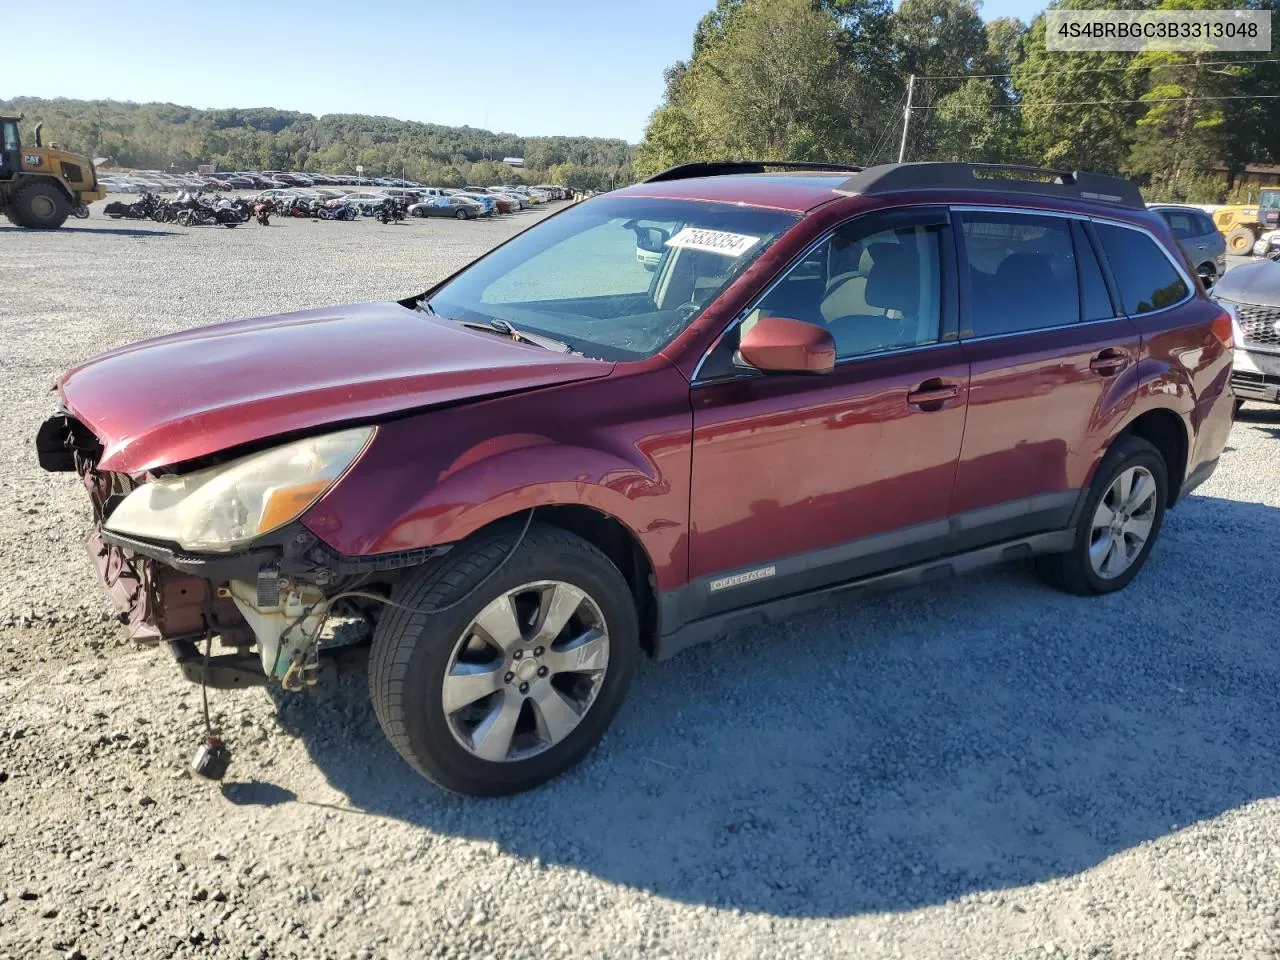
{"x": 891, "y": 294}
{"x": 845, "y": 294}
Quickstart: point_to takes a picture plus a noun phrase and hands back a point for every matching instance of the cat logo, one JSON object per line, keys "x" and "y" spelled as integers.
{"x": 32, "y": 159}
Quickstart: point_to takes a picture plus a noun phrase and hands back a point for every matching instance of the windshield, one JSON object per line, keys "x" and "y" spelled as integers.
{"x": 617, "y": 277}
{"x": 1270, "y": 200}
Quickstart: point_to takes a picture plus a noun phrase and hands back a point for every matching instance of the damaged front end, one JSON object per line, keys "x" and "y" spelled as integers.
{"x": 274, "y": 589}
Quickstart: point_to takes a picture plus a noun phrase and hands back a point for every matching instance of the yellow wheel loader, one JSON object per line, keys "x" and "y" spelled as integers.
{"x": 41, "y": 186}
{"x": 1242, "y": 224}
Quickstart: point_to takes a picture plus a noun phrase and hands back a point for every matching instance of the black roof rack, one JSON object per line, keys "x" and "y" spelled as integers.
{"x": 716, "y": 168}
{"x": 1005, "y": 177}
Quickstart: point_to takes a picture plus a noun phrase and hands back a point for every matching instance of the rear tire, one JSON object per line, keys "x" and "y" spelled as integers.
{"x": 1240, "y": 241}
{"x": 416, "y": 655}
{"x": 39, "y": 205}
{"x": 1077, "y": 570}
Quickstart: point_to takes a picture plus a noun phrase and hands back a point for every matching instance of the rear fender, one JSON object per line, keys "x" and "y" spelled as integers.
{"x": 57, "y": 183}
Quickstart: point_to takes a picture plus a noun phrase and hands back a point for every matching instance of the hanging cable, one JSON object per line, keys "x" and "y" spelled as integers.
{"x": 1089, "y": 103}
{"x": 1071, "y": 70}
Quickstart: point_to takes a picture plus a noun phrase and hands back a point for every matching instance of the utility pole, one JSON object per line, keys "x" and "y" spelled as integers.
{"x": 906, "y": 118}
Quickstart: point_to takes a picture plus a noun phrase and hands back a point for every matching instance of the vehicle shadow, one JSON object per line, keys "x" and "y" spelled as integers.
{"x": 904, "y": 749}
{"x": 109, "y": 231}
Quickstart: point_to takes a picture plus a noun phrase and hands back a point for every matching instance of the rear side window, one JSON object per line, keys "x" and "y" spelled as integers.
{"x": 1146, "y": 277}
{"x": 1183, "y": 224}
{"x": 1206, "y": 226}
{"x": 1021, "y": 273}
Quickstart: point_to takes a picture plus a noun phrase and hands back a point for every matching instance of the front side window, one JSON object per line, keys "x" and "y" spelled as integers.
{"x": 873, "y": 291}
{"x": 10, "y": 136}
{"x": 874, "y": 287}
{"x": 617, "y": 278}
{"x": 1021, "y": 271}
{"x": 1146, "y": 277}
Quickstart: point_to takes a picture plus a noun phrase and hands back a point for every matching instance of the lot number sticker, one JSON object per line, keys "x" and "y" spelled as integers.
{"x": 713, "y": 241}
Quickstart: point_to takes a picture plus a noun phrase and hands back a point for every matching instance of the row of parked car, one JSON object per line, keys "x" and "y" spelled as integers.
{"x": 156, "y": 181}
{"x": 467, "y": 203}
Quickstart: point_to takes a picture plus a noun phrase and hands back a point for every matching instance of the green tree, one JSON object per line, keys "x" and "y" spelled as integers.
{"x": 1184, "y": 129}
{"x": 160, "y": 135}
{"x": 975, "y": 123}
{"x": 1062, "y": 125}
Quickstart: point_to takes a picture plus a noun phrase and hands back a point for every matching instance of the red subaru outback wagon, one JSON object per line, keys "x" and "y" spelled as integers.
{"x": 703, "y": 401}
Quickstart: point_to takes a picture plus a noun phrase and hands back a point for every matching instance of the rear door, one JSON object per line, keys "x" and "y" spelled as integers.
{"x": 1053, "y": 370}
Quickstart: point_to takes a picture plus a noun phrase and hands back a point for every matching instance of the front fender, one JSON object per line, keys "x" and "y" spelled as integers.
{"x": 619, "y": 446}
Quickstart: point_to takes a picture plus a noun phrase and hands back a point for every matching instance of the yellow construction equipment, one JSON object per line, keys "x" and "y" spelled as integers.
{"x": 41, "y": 186}
{"x": 1242, "y": 223}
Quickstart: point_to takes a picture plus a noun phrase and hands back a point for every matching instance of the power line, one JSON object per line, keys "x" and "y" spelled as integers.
{"x": 1154, "y": 66}
{"x": 884, "y": 134}
{"x": 1089, "y": 103}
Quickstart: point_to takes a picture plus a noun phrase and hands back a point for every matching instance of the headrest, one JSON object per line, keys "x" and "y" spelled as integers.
{"x": 893, "y": 282}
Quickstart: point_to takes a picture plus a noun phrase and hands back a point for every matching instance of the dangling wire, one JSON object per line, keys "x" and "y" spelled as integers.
{"x": 326, "y": 605}
{"x": 204, "y": 682}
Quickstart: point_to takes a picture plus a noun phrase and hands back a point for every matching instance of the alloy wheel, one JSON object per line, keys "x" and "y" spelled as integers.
{"x": 1122, "y": 522}
{"x": 525, "y": 671}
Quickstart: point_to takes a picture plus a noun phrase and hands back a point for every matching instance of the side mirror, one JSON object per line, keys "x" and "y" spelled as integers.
{"x": 651, "y": 239}
{"x": 780, "y": 345}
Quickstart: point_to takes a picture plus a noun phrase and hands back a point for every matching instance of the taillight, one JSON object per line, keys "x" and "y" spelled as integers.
{"x": 1223, "y": 327}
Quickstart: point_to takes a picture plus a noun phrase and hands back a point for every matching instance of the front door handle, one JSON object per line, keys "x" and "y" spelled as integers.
{"x": 1109, "y": 362}
{"x": 932, "y": 394}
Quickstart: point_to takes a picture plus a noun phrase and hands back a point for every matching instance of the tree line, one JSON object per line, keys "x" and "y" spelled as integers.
{"x": 827, "y": 79}
{"x": 166, "y": 136}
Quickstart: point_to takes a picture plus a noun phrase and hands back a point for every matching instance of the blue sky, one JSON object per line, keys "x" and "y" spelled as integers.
{"x": 589, "y": 67}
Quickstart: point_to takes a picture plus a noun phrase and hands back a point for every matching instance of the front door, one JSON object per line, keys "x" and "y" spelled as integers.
{"x": 1053, "y": 369}
{"x": 801, "y": 481}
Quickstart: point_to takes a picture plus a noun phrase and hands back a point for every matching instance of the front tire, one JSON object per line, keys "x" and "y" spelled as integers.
{"x": 1121, "y": 519}
{"x": 518, "y": 674}
{"x": 461, "y": 215}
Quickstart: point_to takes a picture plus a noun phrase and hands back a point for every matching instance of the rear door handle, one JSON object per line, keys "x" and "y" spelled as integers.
{"x": 932, "y": 394}
{"x": 1109, "y": 362}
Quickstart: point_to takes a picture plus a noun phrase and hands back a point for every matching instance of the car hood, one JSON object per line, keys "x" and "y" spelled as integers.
{"x": 1257, "y": 282}
{"x": 175, "y": 398}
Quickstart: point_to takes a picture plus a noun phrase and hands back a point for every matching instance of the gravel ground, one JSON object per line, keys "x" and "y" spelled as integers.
{"x": 983, "y": 768}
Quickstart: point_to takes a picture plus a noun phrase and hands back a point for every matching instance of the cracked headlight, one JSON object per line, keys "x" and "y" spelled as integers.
{"x": 227, "y": 506}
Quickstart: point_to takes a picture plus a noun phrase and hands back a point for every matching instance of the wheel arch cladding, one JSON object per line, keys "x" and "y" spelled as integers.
{"x": 1165, "y": 430}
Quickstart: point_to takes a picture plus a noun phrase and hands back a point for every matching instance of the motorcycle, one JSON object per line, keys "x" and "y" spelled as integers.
{"x": 193, "y": 212}
{"x": 143, "y": 208}
{"x": 262, "y": 211}
{"x": 390, "y": 211}
{"x": 337, "y": 210}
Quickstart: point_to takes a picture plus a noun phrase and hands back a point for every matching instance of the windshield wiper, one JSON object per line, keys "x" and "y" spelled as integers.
{"x": 500, "y": 326}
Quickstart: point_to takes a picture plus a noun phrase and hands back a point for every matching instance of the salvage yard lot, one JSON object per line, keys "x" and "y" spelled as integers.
{"x": 979, "y": 768}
